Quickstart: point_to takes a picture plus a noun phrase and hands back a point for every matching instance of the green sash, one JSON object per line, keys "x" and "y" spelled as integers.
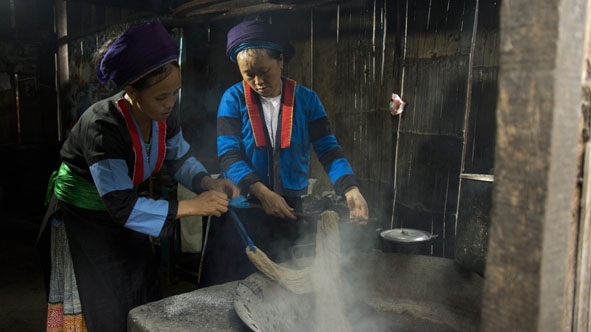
{"x": 73, "y": 189}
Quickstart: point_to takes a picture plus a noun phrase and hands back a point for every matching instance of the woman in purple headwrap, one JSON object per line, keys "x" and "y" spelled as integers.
{"x": 102, "y": 259}
{"x": 266, "y": 125}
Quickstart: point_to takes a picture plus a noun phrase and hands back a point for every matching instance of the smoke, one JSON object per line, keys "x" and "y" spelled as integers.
{"x": 363, "y": 289}
{"x": 337, "y": 306}
{"x": 355, "y": 287}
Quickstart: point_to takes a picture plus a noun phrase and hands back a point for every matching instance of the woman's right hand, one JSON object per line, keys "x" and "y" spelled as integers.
{"x": 222, "y": 185}
{"x": 209, "y": 203}
{"x": 272, "y": 202}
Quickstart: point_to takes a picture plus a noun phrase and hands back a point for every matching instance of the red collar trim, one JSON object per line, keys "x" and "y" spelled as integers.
{"x": 287, "y": 113}
{"x": 161, "y": 145}
{"x": 138, "y": 165}
{"x": 254, "y": 114}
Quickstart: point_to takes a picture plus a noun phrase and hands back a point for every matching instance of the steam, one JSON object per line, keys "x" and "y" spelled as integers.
{"x": 337, "y": 242}
{"x": 345, "y": 285}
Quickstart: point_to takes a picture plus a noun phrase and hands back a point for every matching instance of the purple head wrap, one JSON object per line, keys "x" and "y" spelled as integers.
{"x": 138, "y": 51}
{"x": 257, "y": 34}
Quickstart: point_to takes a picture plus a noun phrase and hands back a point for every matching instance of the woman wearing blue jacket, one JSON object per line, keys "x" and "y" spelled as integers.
{"x": 266, "y": 126}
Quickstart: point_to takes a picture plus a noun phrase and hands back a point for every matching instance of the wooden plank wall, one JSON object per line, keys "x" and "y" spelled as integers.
{"x": 354, "y": 55}
{"x": 335, "y": 56}
{"x": 426, "y": 53}
{"x": 473, "y": 220}
{"x": 435, "y": 82}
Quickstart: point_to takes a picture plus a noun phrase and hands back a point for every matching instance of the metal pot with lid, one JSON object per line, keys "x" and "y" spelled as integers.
{"x": 407, "y": 240}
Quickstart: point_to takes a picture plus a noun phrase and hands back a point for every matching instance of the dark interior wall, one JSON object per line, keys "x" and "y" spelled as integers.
{"x": 26, "y": 62}
{"x": 89, "y": 26}
{"x": 28, "y": 124}
{"x": 430, "y": 136}
{"x": 354, "y": 54}
{"x": 320, "y": 63}
{"x": 29, "y": 128}
{"x": 450, "y": 64}
{"x": 207, "y": 73}
{"x": 473, "y": 220}
{"x": 26, "y": 66}
{"x": 482, "y": 126}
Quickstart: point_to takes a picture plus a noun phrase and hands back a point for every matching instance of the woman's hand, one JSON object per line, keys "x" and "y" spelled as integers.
{"x": 220, "y": 185}
{"x": 209, "y": 203}
{"x": 273, "y": 203}
{"x": 358, "y": 211}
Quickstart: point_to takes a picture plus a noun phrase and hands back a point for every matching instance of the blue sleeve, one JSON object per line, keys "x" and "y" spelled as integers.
{"x": 123, "y": 203}
{"x": 231, "y": 149}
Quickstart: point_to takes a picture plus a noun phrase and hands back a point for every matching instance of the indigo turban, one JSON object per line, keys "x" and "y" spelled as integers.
{"x": 257, "y": 34}
{"x": 138, "y": 51}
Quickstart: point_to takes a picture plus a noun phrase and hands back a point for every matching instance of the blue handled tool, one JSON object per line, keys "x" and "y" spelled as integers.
{"x": 240, "y": 202}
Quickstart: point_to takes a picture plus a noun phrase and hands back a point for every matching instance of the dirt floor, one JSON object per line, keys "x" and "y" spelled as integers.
{"x": 22, "y": 288}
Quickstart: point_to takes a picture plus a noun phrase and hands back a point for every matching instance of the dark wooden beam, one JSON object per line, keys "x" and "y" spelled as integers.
{"x": 209, "y": 10}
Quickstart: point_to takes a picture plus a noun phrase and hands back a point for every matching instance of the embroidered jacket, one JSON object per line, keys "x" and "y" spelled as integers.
{"x": 246, "y": 156}
{"x": 105, "y": 148}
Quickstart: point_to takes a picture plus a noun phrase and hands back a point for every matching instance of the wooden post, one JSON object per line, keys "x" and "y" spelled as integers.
{"x": 583, "y": 273}
{"x": 529, "y": 271}
{"x": 63, "y": 75}
{"x": 581, "y": 314}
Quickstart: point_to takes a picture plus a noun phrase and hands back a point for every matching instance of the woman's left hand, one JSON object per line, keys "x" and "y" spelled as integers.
{"x": 358, "y": 211}
{"x": 224, "y": 186}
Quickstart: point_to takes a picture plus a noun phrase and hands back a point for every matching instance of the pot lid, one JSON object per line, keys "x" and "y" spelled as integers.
{"x": 405, "y": 235}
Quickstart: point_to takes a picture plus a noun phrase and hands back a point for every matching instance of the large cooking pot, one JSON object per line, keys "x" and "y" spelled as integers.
{"x": 382, "y": 292}
{"x": 407, "y": 241}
